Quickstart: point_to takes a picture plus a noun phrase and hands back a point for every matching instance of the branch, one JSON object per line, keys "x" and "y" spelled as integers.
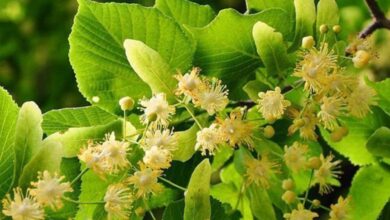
{"x": 379, "y": 19}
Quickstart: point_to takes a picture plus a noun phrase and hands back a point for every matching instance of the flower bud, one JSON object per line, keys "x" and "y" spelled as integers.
{"x": 314, "y": 163}
{"x": 316, "y": 203}
{"x": 269, "y": 131}
{"x": 361, "y": 59}
{"x": 308, "y": 42}
{"x": 289, "y": 197}
{"x": 288, "y": 184}
{"x": 126, "y": 103}
{"x": 324, "y": 28}
{"x": 336, "y": 29}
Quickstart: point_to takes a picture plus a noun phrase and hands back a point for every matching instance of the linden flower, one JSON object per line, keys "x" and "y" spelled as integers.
{"x": 145, "y": 181}
{"x": 164, "y": 139}
{"x": 360, "y": 99}
{"x": 235, "y": 130}
{"x": 315, "y": 66}
{"x": 93, "y": 159}
{"x": 157, "y": 158}
{"x": 305, "y": 123}
{"x": 272, "y": 104}
{"x": 326, "y": 173}
{"x": 295, "y": 156}
{"x": 22, "y": 207}
{"x": 338, "y": 84}
{"x": 330, "y": 110}
{"x": 208, "y": 139}
{"x": 114, "y": 154}
{"x": 212, "y": 97}
{"x": 157, "y": 110}
{"x": 340, "y": 210}
{"x": 260, "y": 171}
{"x": 49, "y": 189}
{"x": 301, "y": 214}
{"x": 118, "y": 199}
{"x": 189, "y": 83}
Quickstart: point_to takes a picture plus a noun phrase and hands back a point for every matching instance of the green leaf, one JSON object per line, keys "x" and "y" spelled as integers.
{"x": 197, "y": 197}
{"x": 353, "y": 145}
{"x": 174, "y": 211}
{"x": 98, "y": 57}
{"x": 186, "y": 143}
{"x": 9, "y": 113}
{"x": 63, "y": 119}
{"x": 252, "y": 89}
{"x": 369, "y": 191}
{"x": 383, "y": 90}
{"x": 28, "y": 136}
{"x": 70, "y": 168}
{"x": 186, "y": 12}
{"x": 379, "y": 142}
{"x": 151, "y": 68}
{"x": 47, "y": 158}
{"x": 327, "y": 14}
{"x": 93, "y": 189}
{"x": 271, "y": 49}
{"x": 261, "y": 204}
{"x": 76, "y": 138}
{"x": 305, "y": 13}
{"x": 228, "y": 191}
{"x": 226, "y": 48}
{"x": 286, "y": 5}
{"x": 224, "y": 153}
{"x": 163, "y": 198}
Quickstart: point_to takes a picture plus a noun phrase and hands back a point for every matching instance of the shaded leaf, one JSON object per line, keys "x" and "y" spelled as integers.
{"x": 379, "y": 143}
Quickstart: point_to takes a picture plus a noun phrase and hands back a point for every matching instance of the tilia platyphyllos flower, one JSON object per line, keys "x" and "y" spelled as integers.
{"x": 22, "y": 207}
{"x": 49, "y": 189}
{"x": 157, "y": 110}
{"x": 118, "y": 200}
{"x": 272, "y": 104}
{"x": 260, "y": 171}
{"x": 145, "y": 181}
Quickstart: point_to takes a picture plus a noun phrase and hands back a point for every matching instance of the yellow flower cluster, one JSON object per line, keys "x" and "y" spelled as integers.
{"x": 47, "y": 191}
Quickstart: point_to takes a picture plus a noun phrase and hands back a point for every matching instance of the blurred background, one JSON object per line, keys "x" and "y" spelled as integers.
{"x": 34, "y": 46}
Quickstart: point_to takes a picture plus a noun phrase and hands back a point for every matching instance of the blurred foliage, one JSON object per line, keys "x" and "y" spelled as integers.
{"x": 34, "y": 62}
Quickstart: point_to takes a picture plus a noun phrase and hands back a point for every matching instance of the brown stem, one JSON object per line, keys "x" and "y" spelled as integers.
{"x": 379, "y": 19}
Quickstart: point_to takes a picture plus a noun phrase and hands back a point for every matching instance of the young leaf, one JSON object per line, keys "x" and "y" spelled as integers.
{"x": 186, "y": 12}
{"x": 383, "y": 90}
{"x": 369, "y": 191}
{"x": 186, "y": 143}
{"x": 261, "y": 204}
{"x": 271, "y": 49}
{"x": 226, "y": 48}
{"x": 174, "y": 211}
{"x": 47, "y": 158}
{"x": 28, "y": 136}
{"x": 286, "y": 5}
{"x": 197, "y": 197}
{"x": 63, "y": 119}
{"x": 98, "y": 57}
{"x": 76, "y": 138}
{"x": 305, "y": 12}
{"x": 379, "y": 142}
{"x": 8, "y": 115}
{"x": 151, "y": 68}
{"x": 353, "y": 145}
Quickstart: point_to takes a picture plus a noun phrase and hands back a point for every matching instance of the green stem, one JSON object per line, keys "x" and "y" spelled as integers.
{"x": 83, "y": 203}
{"x": 150, "y": 211}
{"x": 172, "y": 183}
{"x": 124, "y": 125}
{"x": 308, "y": 187}
{"x": 192, "y": 115}
{"x": 79, "y": 176}
{"x": 242, "y": 188}
{"x": 311, "y": 202}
